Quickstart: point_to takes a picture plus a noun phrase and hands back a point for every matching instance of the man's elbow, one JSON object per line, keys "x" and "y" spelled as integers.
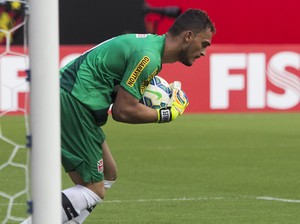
{"x": 119, "y": 115}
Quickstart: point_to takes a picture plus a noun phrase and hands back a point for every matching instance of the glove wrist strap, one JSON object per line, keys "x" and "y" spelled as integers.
{"x": 164, "y": 115}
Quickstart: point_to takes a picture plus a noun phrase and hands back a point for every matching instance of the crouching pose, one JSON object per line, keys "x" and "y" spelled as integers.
{"x": 116, "y": 72}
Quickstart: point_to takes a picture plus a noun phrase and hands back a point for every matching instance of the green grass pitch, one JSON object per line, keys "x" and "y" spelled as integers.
{"x": 205, "y": 168}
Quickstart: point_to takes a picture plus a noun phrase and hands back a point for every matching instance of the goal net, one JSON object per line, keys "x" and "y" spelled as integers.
{"x": 14, "y": 124}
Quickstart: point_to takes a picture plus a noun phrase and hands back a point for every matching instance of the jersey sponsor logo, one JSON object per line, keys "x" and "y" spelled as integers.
{"x": 146, "y": 82}
{"x": 137, "y": 71}
{"x": 100, "y": 166}
{"x": 141, "y": 35}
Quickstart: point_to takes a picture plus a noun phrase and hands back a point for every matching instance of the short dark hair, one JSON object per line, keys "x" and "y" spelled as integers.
{"x": 195, "y": 20}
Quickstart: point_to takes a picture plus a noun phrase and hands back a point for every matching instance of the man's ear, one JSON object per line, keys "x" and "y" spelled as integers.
{"x": 189, "y": 35}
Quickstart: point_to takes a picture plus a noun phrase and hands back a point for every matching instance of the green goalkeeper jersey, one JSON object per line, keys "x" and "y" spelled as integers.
{"x": 130, "y": 60}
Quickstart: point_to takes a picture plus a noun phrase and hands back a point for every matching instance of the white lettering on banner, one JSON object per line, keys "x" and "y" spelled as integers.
{"x": 256, "y": 81}
{"x": 257, "y": 73}
{"x": 221, "y": 82}
{"x": 287, "y": 81}
{"x": 10, "y": 83}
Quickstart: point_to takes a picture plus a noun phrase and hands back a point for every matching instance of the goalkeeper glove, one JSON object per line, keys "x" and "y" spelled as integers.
{"x": 177, "y": 105}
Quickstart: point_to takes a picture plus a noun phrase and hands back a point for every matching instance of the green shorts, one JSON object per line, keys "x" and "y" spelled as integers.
{"x": 81, "y": 140}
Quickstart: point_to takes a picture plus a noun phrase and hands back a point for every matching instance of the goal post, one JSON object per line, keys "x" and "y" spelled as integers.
{"x": 45, "y": 162}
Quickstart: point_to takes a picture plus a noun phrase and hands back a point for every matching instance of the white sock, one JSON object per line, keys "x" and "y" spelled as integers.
{"x": 78, "y": 220}
{"x": 77, "y": 199}
{"x": 85, "y": 213}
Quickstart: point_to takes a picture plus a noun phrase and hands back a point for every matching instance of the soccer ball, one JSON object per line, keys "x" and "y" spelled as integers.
{"x": 157, "y": 94}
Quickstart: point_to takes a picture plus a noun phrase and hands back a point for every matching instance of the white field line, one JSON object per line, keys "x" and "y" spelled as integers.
{"x": 264, "y": 198}
{"x": 277, "y": 199}
{"x": 168, "y": 199}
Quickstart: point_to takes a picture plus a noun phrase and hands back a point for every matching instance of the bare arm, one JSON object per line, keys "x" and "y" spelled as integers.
{"x": 128, "y": 109}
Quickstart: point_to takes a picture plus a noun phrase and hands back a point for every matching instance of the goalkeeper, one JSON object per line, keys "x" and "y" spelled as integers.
{"x": 117, "y": 72}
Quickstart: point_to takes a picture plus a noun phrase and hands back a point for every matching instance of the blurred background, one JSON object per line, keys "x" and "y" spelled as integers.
{"x": 237, "y": 22}
{"x": 250, "y": 22}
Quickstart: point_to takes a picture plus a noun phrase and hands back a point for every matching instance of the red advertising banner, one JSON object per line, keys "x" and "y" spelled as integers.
{"x": 242, "y": 78}
{"x": 230, "y": 78}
